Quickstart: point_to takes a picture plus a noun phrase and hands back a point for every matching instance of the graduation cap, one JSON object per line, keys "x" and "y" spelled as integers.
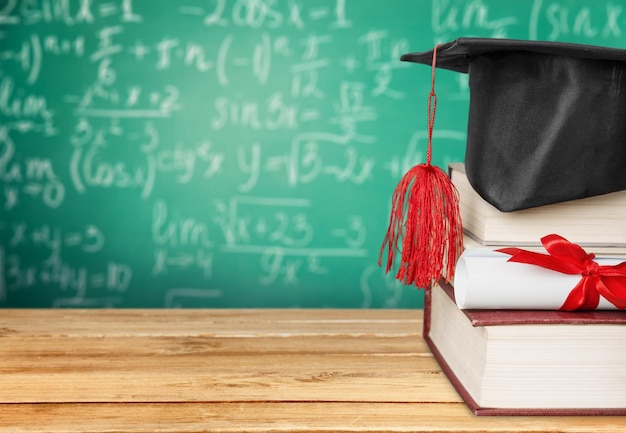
{"x": 547, "y": 124}
{"x": 547, "y": 120}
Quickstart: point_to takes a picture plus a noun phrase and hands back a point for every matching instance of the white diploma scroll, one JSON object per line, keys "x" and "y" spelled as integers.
{"x": 483, "y": 279}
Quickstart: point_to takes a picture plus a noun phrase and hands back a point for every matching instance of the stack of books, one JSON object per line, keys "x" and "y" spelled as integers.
{"x": 521, "y": 361}
{"x": 595, "y": 223}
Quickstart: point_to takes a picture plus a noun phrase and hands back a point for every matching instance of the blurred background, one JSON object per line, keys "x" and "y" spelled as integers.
{"x": 229, "y": 153}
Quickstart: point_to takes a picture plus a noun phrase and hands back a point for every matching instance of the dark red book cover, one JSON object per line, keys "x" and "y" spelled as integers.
{"x": 516, "y": 317}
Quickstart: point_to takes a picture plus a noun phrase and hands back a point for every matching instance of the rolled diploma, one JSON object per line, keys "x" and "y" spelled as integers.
{"x": 485, "y": 280}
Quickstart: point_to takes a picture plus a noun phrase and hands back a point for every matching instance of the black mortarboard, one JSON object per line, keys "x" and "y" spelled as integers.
{"x": 547, "y": 120}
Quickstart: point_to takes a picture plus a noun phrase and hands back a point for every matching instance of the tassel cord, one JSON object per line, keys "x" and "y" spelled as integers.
{"x": 425, "y": 218}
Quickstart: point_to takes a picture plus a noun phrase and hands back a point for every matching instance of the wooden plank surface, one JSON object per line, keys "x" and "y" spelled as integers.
{"x": 235, "y": 370}
{"x": 220, "y": 323}
{"x": 283, "y": 417}
{"x": 214, "y": 356}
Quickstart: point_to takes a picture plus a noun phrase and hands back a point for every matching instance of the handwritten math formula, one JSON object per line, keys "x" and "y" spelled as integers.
{"x": 228, "y": 153}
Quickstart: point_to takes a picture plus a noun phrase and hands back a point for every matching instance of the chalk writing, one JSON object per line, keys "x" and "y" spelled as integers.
{"x": 31, "y": 176}
{"x": 88, "y": 239}
{"x": 89, "y": 171}
{"x": 276, "y": 267}
{"x": 243, "y": 220}
{"x": 268, "y": 14}
{"x": 564, "y": 20}
{"x": 20, "y": 275}
{"x": 166, "y": 260}
{"x": 178, "y": 232}
{"x": 65, "y": 12}
{"x": 309, "y": 156}
{"x": 189, "y": 153}
{"x": 468, "y": 16}
{"x": 416, "y": 149}
{"x": 18, "y": 104}
{"x": 271, "y": 114}
{"x": 133, "y": 101}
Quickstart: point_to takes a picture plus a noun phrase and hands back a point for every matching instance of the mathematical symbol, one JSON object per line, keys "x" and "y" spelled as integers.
{"x": 19, "y": 234}
{"x": 309, "y": 114}
{"x": 41, "y": 236}
{"x": 115, "y": 128}
{"x": 97, "y": 281}
{"x": 291, "y": 272}
{"x": 281, "y": 46}
{"x": 294, "y": 15}
{"x": 24, "y": 125}
{"x": 139, "y": 50}
{"x": 73, "y": 239}
{"x": 275, "y": 162}
{"x": 318, "y": 13}
{"x": 93, "y": 239}
{"x": 154, "y": 98}
{"x": 612, "y": 24}
{"x": 10, "y": 194}
{"x": 182, "y": 260}
{"x": 242, "y": 229}
{"x": 393, "y": 165}
{"x": 107, "y": 9}
{"x": 314, "y": 266}
{"x": 160, "y": 256}
{"x": 261, "y": 227}
{"x": 350, "y": 63}
{"x": 204, "y": 261}
{"x": 106, "y": 47}
{"x": 214, "y": 159}
{"x": 32, "y": 189}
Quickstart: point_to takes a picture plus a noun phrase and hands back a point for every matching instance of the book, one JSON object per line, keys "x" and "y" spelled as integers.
{"x": 525, "y": 362}
{"x": 595, "y": 223}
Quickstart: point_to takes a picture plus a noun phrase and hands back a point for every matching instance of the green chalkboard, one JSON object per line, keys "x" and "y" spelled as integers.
{"x": 229, "y": 153}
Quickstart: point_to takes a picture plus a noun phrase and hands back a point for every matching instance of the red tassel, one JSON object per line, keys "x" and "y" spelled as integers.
{"x": 425, "y": 218}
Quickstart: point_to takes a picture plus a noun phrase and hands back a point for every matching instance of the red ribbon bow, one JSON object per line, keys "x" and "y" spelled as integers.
{"x": 569, "y": 258}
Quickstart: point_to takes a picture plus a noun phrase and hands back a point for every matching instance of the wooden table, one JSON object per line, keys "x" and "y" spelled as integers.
{"x": 236, "y": 371}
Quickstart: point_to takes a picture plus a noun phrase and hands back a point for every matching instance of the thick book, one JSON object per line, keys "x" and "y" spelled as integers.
{"x": 524, "y": 362}
{"x": 593, "y": 222}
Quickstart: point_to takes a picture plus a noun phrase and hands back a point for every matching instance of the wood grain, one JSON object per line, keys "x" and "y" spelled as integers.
{"x": 235, "y": 370}
{"x": 283, "y": 417}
